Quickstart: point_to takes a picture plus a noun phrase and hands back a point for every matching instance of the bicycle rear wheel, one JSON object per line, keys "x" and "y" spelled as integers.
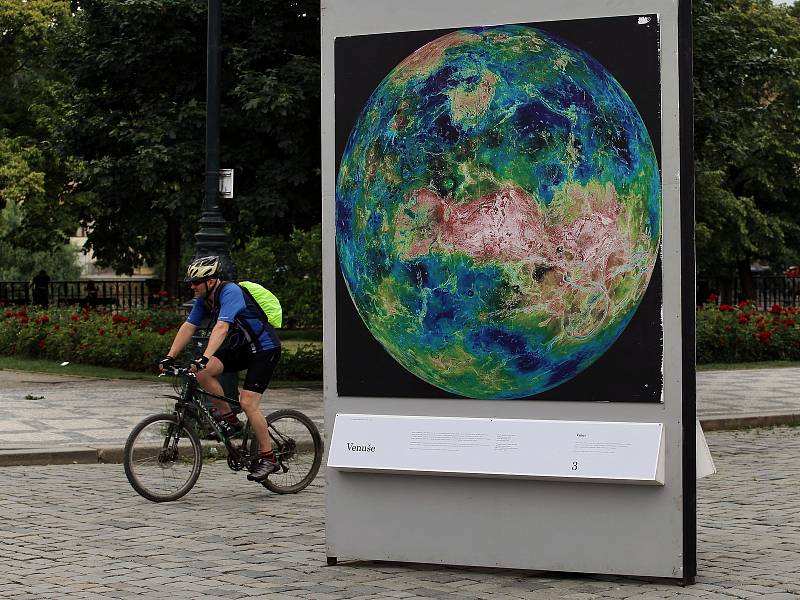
{"x": 162, "y": 463}
{"x": 298, "y": 449}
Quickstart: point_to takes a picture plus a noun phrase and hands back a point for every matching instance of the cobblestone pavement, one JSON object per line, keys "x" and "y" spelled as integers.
{"x": 50, "y": 411}
{"x": 79, "y": 531}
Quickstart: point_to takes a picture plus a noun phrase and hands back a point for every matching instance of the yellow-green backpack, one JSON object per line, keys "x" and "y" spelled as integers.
{"x": 265, "y": 300}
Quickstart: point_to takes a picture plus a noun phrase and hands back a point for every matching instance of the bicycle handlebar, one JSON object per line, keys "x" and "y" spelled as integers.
{"x": 178, "y": 371}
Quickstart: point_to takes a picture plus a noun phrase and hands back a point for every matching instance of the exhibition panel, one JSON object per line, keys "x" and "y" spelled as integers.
{"x": 508, "y": 283}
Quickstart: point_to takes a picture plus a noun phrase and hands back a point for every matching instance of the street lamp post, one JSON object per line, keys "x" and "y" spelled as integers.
{"x": 212, "y": 239}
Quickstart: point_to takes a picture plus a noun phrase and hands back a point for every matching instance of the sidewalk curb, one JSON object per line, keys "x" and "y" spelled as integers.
{"x": 74, "y": 455}
{"x": 55, "y": 456}
{"x": 748, "y": 421}
{"x": 83, "y": 455}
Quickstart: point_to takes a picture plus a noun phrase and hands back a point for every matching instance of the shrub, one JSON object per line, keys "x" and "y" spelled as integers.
{"x": 305, "y": 363}
{"x": 291, "y": 267}
{"x": 134, "y": 340}
{"x": 741, "y": 333}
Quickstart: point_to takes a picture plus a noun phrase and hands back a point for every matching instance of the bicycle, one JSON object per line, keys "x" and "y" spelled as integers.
{"x": 163, "y": 454}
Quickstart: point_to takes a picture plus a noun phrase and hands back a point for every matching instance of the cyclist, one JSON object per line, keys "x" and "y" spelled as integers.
{"x": 252, "y": 345}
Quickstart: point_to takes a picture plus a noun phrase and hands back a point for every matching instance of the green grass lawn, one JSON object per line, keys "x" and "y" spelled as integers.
{"x": 772, "y": 364}
{"x": 50, "y": 366}
{"x": 291, "y": 341}
{"x": 292, "y": 345}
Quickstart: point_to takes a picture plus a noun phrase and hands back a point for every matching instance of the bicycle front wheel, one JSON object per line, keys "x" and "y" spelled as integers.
{"x": 162, "y": 460}
{"x": 298, "y": 449}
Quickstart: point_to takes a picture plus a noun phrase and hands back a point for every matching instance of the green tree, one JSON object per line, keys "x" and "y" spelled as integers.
{"x": 271, "y": 117}
{"x": 747, "y": 134}
{"x": 34, "y": 173}
{"x": 136, "y": 106}
{"x": 133, "y": 106}
{"x": 21, "y": 264}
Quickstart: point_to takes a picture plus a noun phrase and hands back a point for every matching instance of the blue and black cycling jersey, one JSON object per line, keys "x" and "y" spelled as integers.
{"x": 248, "y": 327}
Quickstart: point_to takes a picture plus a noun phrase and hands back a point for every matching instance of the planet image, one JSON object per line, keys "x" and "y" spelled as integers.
{"x": 498, "y": 212}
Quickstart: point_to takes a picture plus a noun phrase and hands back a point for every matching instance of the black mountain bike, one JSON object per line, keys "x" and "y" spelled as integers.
{"x": 163, "y": 454}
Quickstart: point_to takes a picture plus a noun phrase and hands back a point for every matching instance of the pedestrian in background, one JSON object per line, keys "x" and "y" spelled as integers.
{"x": 41, "y": 288}
{"x": 90, "y": 300}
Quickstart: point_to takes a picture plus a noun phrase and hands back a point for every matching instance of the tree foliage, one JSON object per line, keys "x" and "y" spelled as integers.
{"x": 291, "y": 267}
{"x": 747, "y": 132}
{"x": 135, "y": 117}
{"x": 102, "y": 122}
{"x": 34, "y": 173}
{"x": 21, "y": 264}
{"x": 136, "y": 105}
{"x": 271, "y": 118}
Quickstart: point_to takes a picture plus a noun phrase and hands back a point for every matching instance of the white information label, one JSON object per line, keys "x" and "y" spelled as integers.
{"x": 618, "y": 452}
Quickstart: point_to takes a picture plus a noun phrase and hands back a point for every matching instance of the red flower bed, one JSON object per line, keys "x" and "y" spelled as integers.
{"x": 133, "y": 340}
{"x": 741, "y": 333}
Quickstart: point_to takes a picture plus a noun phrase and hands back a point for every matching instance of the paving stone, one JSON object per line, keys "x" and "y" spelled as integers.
{"x": 139, "y": 550}
{"x": 79, "y": 531}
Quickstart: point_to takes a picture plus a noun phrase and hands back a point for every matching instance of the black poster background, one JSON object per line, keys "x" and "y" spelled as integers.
{"x": 630, "y": 371}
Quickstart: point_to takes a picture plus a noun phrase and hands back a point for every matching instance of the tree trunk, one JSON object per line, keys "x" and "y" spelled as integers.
{"x": 746, "y": 280}
{"x": 172, "y": 254}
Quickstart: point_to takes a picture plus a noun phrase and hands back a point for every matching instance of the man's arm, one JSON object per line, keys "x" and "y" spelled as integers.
{"x": 182, "y": 338}
{"x": 218, "y": 335}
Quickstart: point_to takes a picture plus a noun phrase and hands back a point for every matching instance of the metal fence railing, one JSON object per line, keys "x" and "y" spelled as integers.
{"x": 122, "y": 295}
{"x": 769, "y": 290}
{"x": 116, "y": 294}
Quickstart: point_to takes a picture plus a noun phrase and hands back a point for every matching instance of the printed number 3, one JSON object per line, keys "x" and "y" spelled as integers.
{"x": 575, "y": 465}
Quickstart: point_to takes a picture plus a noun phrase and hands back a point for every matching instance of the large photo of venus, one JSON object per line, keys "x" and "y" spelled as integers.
{"x": 498, "y": 212}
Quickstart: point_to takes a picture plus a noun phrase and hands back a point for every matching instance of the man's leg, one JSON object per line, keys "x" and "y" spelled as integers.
{"x": 266, "y": 464}
{"x": 251, "y": 404}
{"x": 255, "y": 382}
{"x": 207, "y": 378}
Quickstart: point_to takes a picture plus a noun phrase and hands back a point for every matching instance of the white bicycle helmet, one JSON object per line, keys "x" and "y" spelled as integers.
{"x": 203, "y": 268}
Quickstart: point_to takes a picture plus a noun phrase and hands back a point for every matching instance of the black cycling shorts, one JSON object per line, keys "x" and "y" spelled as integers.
{"x": 259, "y": 365}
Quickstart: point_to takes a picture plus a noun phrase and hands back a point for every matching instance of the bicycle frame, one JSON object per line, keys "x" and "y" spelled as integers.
{"x": 192, "y": 398}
